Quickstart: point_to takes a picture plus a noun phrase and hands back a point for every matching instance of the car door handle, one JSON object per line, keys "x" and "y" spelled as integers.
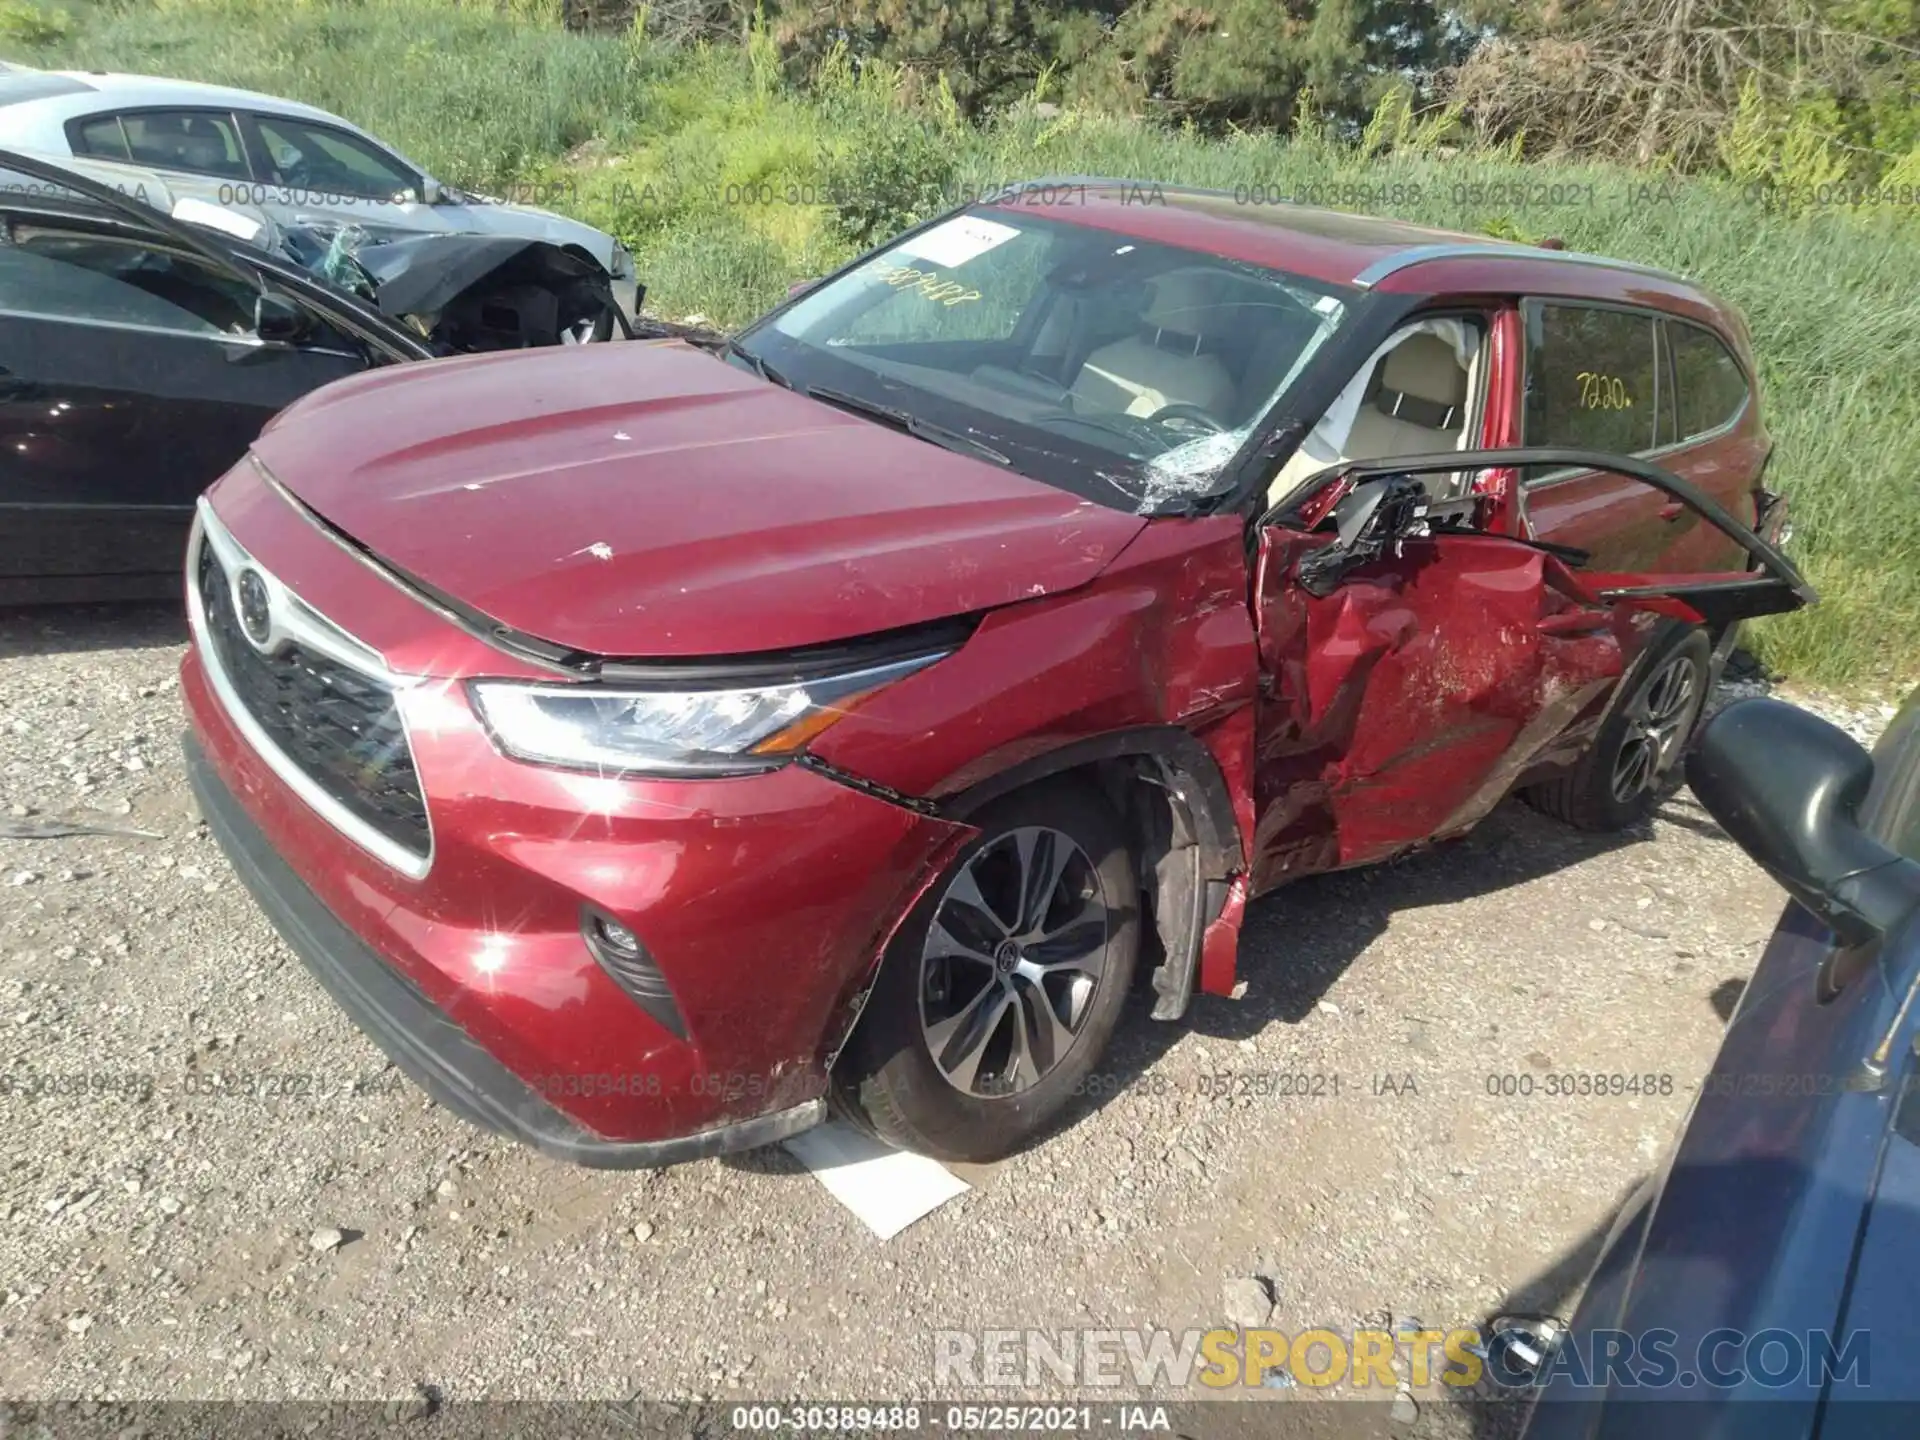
{"x": 1673, "y": 510}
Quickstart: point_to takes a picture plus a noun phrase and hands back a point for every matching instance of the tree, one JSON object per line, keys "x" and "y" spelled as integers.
{"x": 1249, "y": 61}
{"x": 989, "y": 52}
{"x": 1646, "y": 80}
{"x": 1212, "y": 61}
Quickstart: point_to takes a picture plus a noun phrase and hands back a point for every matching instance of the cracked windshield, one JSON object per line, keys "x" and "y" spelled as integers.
{"x": 1122, "y": 370}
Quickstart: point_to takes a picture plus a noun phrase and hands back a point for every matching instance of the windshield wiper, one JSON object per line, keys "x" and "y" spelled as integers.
{"x": 755, "y": 363}
{"x": 911, "y": 424}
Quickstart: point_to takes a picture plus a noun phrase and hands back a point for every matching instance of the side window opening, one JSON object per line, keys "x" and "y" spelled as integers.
{"x": 1711, "y": 388}
{"x": 88, "y": 278}
{"x": 317, "y": 157}
{"x": 1593, "y": 379}
{"x": 1419, "y": 393}
{"x": 102, "y": 136}
{"x": 199, "y": 142}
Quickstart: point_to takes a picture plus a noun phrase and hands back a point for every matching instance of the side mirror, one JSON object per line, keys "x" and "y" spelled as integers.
{"x": 277, "y": 318}
{"x": 430, "y": 191}
{"x": 1787, "y": 786}
{"x": 1369, "y": 519}
{"x": 1376, "y": 509}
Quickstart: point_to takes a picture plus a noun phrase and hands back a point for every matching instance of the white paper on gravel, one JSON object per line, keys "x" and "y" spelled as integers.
{"x": 887, "y": 1189}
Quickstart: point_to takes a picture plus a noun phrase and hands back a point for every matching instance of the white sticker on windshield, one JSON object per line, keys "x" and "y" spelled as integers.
{"x": 956, "y": 241}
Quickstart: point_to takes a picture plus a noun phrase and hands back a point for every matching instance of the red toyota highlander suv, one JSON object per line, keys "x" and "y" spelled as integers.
{"x": 647, "y": 744}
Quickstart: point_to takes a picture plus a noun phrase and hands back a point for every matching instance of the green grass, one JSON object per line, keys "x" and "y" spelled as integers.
{"x": 712, "y": 167}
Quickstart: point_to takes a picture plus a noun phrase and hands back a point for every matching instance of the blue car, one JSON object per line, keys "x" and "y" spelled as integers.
{"x": 1766, "y": 1283}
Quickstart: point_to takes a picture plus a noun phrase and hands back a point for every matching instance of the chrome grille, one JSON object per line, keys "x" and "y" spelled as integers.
{"x": 332, "y": 724}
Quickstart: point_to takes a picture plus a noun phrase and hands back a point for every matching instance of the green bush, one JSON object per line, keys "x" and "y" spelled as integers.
{"x": 23, "y": 23}
{"x": 888, "y": 179}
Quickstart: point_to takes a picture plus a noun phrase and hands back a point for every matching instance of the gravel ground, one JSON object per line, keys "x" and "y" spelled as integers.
{"x": 348, "y": 1240}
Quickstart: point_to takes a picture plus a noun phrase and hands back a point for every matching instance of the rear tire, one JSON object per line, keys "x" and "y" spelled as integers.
{"x": 1002, "y": 990}
{"x": 1625, "y": 772}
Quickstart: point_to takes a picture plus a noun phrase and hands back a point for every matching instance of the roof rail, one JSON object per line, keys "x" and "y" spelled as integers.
{"x": 1387, "y": 264}
{"x": 1423, "y": 254}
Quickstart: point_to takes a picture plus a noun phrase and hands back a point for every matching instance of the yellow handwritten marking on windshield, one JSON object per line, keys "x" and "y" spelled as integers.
{"x": 929, "y": 283}
{"x": 1603, "y": 392}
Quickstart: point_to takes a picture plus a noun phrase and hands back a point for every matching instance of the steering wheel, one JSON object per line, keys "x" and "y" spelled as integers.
{"x": 1180, "y": 410}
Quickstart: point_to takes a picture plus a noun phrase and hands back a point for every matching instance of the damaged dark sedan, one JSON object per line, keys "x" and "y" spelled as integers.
{"x": 144, "y": 342}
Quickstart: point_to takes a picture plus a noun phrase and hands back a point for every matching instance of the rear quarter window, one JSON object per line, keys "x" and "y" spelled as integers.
{"x": 102, "y": 136}
{"x": 1710, "y": 388}
{"x": 1592, "y": 378}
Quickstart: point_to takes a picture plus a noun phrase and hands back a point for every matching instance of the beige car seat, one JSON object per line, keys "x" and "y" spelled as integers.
{"x": 1419, "y": 407}
{"x": 1162, "y": 364}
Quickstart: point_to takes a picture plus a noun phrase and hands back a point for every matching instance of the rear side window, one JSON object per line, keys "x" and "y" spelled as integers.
{"x": 1592, "y": 378}
{"x": 102, "y": 137}
{"x": 1708, "y": 384}
{"x": 195, "y": 141}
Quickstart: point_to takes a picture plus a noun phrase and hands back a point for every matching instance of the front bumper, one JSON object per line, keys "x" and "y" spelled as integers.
{"x": 420, "y": 1037}
{"x": 761, "y": 902}
{"x": 626, "y": 294}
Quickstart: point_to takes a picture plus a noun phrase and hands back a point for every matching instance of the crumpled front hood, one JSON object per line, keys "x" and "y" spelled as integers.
{"x": 647, "y": 499}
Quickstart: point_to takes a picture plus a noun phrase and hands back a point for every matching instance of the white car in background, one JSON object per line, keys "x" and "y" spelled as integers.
{"x": 300, "y": 165}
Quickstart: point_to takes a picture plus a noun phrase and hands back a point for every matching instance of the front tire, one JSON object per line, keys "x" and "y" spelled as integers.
{"x": 1624, "y": 774}
{"x": 586, "y": 316}
{"x": 1001, "y": 992}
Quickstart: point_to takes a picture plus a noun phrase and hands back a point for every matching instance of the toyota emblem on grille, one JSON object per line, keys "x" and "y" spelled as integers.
{"x": 256, "y": 608}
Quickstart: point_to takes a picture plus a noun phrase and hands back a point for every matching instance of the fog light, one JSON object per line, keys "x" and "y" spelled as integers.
{"x": 616, "y": 935}
{"x": 625, "y": 959}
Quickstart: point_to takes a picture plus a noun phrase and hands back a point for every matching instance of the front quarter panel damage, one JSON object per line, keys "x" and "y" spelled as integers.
{"x": 1162, "y": 641}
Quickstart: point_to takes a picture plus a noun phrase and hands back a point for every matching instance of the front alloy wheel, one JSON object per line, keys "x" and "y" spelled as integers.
{"x": 1001, "y": 991}
{"x": 1011, "y": 962}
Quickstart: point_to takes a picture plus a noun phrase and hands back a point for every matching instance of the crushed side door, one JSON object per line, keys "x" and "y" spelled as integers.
{"x": 1414, "y": 665}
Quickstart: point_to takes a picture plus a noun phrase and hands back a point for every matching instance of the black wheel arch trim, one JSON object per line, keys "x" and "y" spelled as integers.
{"x": 1209, "y": 803}
{"x": 1196, "y": 786}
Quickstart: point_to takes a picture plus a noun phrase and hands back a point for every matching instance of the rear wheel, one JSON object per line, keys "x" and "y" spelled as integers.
{"x": 1001, "y": 992}
{"x": 1620, "y": 779}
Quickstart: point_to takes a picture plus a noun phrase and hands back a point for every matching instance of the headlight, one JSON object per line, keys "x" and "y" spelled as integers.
{"x": 618, "y": 731}
{"x": 622, "y": 262}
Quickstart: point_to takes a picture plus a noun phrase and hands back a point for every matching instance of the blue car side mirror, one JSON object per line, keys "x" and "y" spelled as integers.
{"x": 1787, "y": 786}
